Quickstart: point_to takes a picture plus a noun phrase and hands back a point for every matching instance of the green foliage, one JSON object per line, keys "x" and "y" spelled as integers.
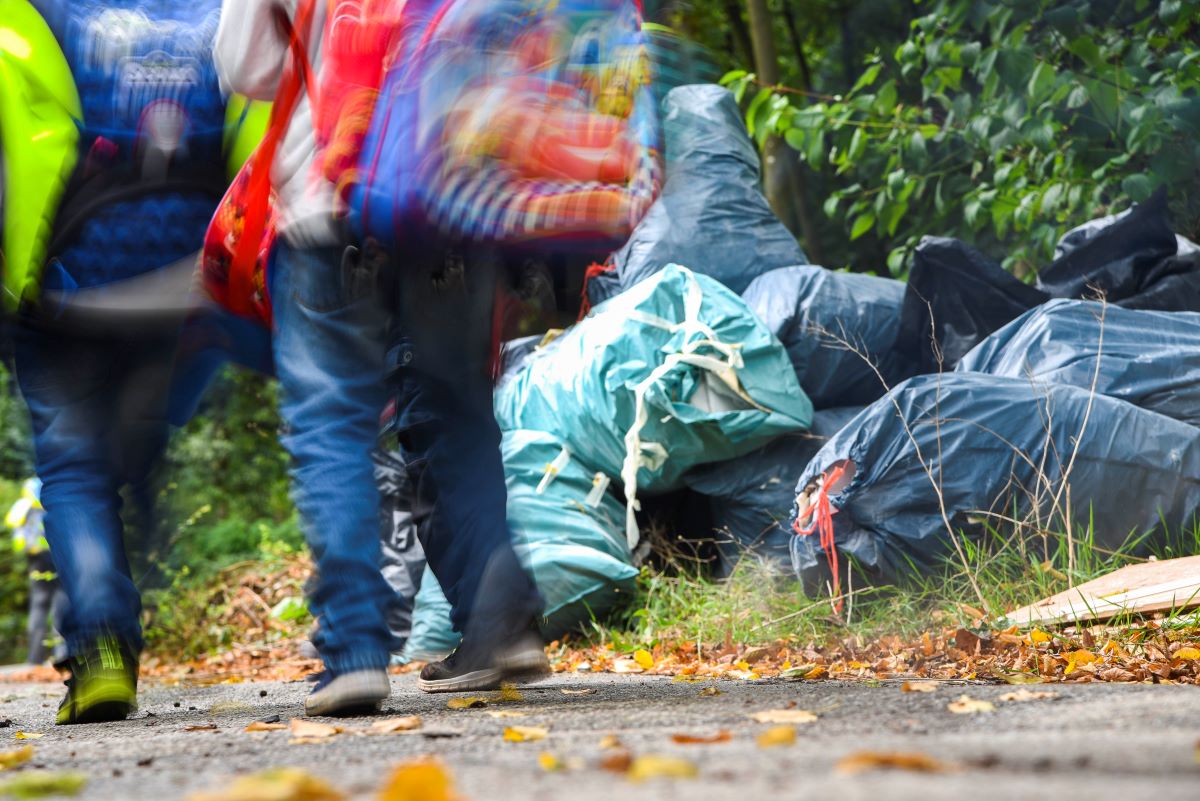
{"x": 1002, "y": 124}
{"x": 14, "y": 584}
{"x": 16, "y": 451}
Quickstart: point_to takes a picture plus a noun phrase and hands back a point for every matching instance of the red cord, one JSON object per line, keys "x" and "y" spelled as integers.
{"x": 822, "y": 524}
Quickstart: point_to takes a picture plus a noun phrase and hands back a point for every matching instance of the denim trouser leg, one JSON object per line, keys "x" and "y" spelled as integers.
{"x": 95, "y": 428}
{"x": 329, "y": 347}
{"x": 452, "y": 440}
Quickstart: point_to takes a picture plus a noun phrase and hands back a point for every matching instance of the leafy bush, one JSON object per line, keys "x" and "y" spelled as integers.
{"x": 1003, "y": 123}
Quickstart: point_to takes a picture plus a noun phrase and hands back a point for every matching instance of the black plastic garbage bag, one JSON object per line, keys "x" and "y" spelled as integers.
{"x": 751, "y": 497}
{"x": 1116, "y": 256}
{"x": 956, "y": 296}
{"x": 1148, "y": 358}
{"x": 712, "y": 217}
{"x": 998, "y": 448}
{"x": 831, "y": 323}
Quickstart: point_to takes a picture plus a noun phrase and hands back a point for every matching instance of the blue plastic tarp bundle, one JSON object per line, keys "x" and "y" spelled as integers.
{"x": 998, "y": 449}
{"x": 673, "y": 373}
{"x": 1148, "y": 358}
{"x": 839, "y": 329}
{"x": 712, "y": 216}
{"x": 751, "y": 497}
{"x": 569, "y": 532}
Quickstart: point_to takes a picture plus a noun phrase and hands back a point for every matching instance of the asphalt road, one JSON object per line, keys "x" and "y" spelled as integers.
{"x": 1090, "y": 741}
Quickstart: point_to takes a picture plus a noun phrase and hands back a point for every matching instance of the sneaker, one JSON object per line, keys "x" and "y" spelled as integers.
{"x": 102, "y": 685}
{"x": 477, "y": 668}
{"x": 360, "y": 692}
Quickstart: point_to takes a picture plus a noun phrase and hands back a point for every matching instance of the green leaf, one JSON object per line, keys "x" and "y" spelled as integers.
{"x": 731, "y": 76}
{"x": 893, "y": 213}
{"x": 757, "y": 103}
{"x": 867, "y": 78}
{"x": 795, "y": 138}
{"x": 858, "y": 146}
{"x": 1078, "y": 97}
{"x": 1138, "y": 187}
{"x": 1041, "y": 82}
{"x": 290, "y": 608}
{"x": 831, "y": 204}
{"x": 862, "y": 224}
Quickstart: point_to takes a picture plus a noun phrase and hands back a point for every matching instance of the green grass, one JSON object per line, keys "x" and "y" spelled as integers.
{"x": 755, "y": 606}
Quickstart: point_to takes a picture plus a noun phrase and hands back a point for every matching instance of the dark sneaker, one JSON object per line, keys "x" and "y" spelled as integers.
{"x": 479, "y": 668}
{"x": 103, "y": 684}
{"x": 360, "y": 692}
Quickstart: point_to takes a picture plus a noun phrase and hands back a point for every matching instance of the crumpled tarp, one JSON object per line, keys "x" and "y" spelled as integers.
{"x": 751, "y": 497}
{"x": 1148, "y": 358}
{"x": 712, "y": 216}
{"x": 672, "y": 373}
{"x": 998, "y": 448}
{"x": 831, "y": 323}
{"x": 568, "y": 531}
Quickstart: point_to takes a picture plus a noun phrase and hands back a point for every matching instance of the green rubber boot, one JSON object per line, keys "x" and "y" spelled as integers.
{"x": 103, "y": 684}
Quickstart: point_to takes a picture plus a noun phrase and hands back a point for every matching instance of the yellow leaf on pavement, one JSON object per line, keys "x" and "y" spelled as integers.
{"x": 919, "y": 686}
{"x": 420, "y": 780}
{"x": 549, "y": 762}
{"x": 524, "y": 734}
{"x": 710, "y": 692}
{"x": 259, "y": 725}
{"x": 279, "y": 784}
{"x": 1077, "y": 658}
{"x": 966, "y": 705}
{"x": 1027, "y": 695}
{"x": 507, "y": 694}
{"x": 776, "y": 736}
{"x": 790, "y": 716}
{"x": 701, "y": 739}
{"x": 10, "y": 759}
{"x": 472, "y": 702}
{"x": 1187, "y": 652}
{"x": 312, "y": 729}
{"x": 1038, "y": 636}
{"x": 643, "y": 658}
{"x": 886, "y": 760}
{"x": 653, "y": 767}
{"x": 610, "y": 741}
{"x": 578, "y": 691}
{"x": 394, "y": 725}
{"x": 28, "y": 735}
{"x": 505, "y": 713}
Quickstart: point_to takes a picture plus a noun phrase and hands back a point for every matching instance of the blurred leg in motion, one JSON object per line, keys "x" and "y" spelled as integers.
{"x": 43, "y": 589}
{"x": 446, "y": 300}
{"x": 330, "y": 331}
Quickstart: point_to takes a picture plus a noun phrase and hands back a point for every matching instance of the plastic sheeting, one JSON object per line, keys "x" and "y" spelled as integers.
{"x": 569, "y": 532}
{"x": 1000, "y": 446}
{"x": 673, "y": 373}
{"x": 712, "y": 216}
{"x": 831, "y": 323}
{"x": 1150, "y": 359}
{"x": 751, "y": 497}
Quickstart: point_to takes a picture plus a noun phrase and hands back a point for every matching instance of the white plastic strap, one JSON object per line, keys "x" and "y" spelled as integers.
{"x": 551, "y": 471}
{"x": 600, "y": 484}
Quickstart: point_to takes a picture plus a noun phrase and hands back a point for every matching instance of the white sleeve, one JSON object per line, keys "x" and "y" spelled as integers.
{"x": 251, "y": 47}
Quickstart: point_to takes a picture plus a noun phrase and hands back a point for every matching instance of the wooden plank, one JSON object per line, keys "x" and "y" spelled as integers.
{"x": 1135, "y": 589}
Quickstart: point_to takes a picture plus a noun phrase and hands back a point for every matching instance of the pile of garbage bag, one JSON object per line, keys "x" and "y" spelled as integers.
{"x": 816, "y": 418}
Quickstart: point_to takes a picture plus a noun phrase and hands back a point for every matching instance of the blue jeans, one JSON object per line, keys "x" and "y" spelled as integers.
{"x": 98, "y": 406}
{"x": 330, "y": 343}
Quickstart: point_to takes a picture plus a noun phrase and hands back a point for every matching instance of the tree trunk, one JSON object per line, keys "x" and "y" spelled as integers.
{"x": 738, "y": 31}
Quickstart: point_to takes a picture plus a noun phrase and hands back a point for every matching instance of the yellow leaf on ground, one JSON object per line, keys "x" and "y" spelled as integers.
{"x": 701, "y": 739}
{"x": 507, "y": 694}
{"x": 279, "y": 784}
{"x": 919, "y": 686}
{"x": 1027, "y": 695}
{"x": 394, "y": 725}
{"x": 887, "y": 760}
{"x": 472, "y": 702}
{"x": 1038, "y": 636}
{"x": 1187, "y": 652}
{"x": 643, "y": 658}
{"x": 668, "y": 767}
{"x": 258, "y": 725}
{"x": 505, "y": 713}
{"x": 579, "y": 691}
{"x": 790, "y": 716}
{"x": 42, "y": 783}
{"x": 710, "y": 692}
{"x": 10, "y": 759}
{"x": 610, "y": 741}
{"x": 524, "y": 734}
{"x": 1077, "y": 658}
{"x": 420, "y": 780}
{"x": 312, "y": 730}
{"x": 966, "y": 705}
{"x": 28, "y": 735}
{"x": 549, "y": 762}
{"x": 776, "y": 736}
{"x": 626, "y": 666}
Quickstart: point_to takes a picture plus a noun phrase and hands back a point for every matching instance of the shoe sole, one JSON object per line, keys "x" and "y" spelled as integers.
{"x": 522, "y": 668}
{"x": 354, "y": 695}
{"x": 105, "y": 706}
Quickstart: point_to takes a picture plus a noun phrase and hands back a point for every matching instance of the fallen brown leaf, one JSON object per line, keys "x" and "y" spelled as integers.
{"x": 201, "y": 727}
{"x": 617, "y": 762}
{"x": 1028, "y": 695}
{"x": 472, "y": 702}
{"x": 784, "y": 716}
{"x": 891, "y": 760}
{"x": 701, "y": 739}
{"x": 710, "y": 692}
{"x": 258, "y": 725}
{"x": 919, "y": 686}
{"x": 394, "y": 725}
{"x": 306, "y": 732}
{"x": 966, "y": 705}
